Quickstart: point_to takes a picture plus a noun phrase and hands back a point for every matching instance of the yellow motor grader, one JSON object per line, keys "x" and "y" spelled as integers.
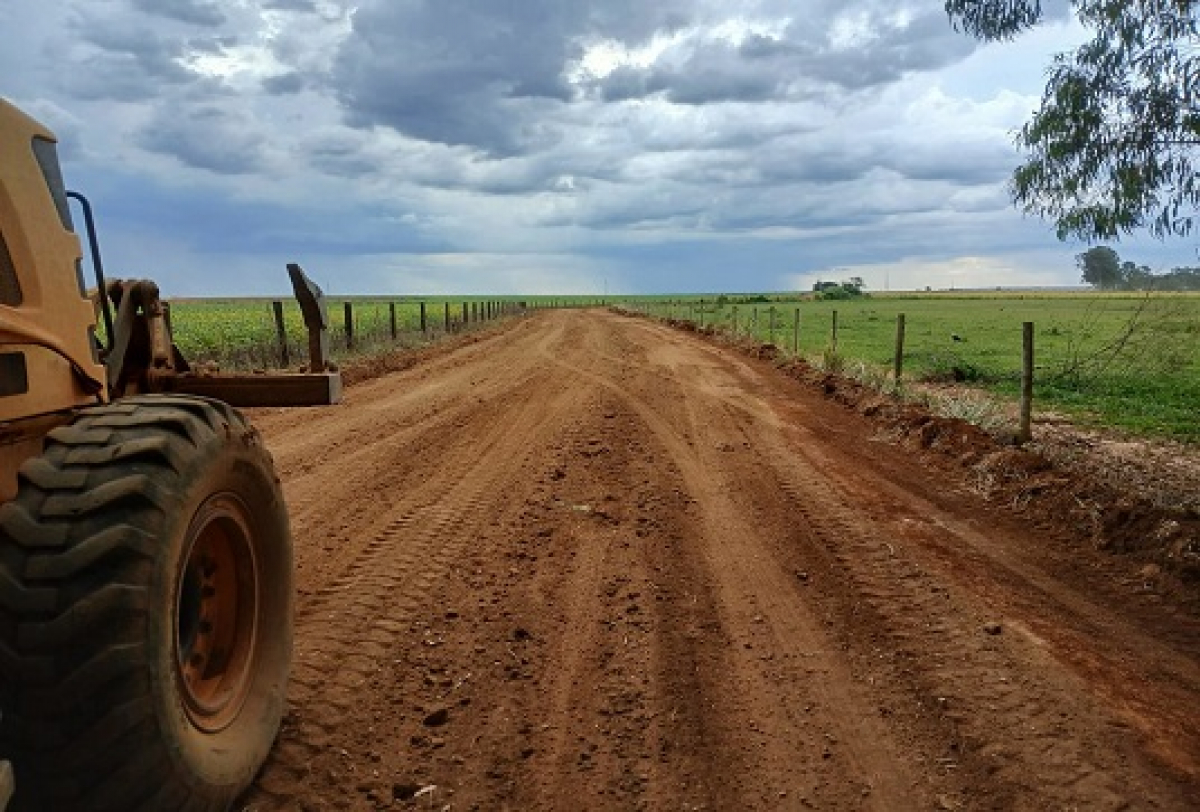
{"x": 145, "y": 553}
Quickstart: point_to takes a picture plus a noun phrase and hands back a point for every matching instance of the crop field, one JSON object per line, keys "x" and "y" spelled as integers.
{"x": 1129, "y": 361}
{"x": 1123, "y": 360}
{"x": 242, "y": 334}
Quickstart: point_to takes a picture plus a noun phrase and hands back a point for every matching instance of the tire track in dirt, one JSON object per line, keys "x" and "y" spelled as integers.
{"x": 1018, "y": 591}
{"x": 347, "y": 629}
{"x": 388, "y": 438}
{"x": 633, "y": 693}
{"x": 1007, "y": 714}
{"x": 756, "y": 595}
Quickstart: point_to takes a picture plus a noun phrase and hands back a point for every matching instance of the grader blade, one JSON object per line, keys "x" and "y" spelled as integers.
{"x": 320, "y": 386}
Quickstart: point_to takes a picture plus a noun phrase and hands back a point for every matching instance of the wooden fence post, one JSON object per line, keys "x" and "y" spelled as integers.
{"x": 447, "y": 317}
{"x": 1025, "y": 430}
{"x": 833, "y": 332}
{"x": 796, "y": 334}
{"x": 392, "y": 316}
{"x": 899, "y": 369}
{"x": 349, "y": 314}
{"x": 281, "y": 331}
{"x": 771, "y": 325}
{"x": 466, "y": 309}
{"x": 424, "y": 321}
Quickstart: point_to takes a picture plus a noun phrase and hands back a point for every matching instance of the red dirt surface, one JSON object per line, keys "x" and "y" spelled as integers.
{"x": 594, "y": 563}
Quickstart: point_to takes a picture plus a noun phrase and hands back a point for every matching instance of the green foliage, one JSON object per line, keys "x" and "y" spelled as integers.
{"x": 1100, "y": 267}
{"x": 836, "y": 293}
{"x": 240, "y": 334}
{"x": 949, "y": 366}
{"x": 1112, "y": 148}
{"x": 832, "y": 360}
{"x": 1177, "y": 279}
{"x": 839, "y": 291}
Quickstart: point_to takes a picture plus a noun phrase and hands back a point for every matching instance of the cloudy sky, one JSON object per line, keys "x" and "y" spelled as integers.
{"x": 543, "y": 146}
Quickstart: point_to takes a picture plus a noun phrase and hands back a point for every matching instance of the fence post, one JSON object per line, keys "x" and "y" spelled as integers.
{"x": 899, "y": 347}
{"x": 392, "y": 316}
{"x": 281, "y": 331}
{"x": 734, "y": 318}
{"x": 466, "y": 310}
{"x": 796, "y": 334}
{"x": 349, "y": 313}
{"x": 424, "y": 321}
{"x": 771, "y": 324}
{"x": 447, "y": 317}
{"x": 1025, "y": 430}
{"x": 833, "y": 332}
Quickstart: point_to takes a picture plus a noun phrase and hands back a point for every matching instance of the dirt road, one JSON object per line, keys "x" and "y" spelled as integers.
{"x": 593, "y": 563}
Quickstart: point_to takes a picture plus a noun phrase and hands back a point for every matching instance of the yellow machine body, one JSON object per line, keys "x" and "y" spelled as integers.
{"x": 48, "y": 361}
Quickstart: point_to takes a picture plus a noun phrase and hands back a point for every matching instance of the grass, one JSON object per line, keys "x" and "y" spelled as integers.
{"x": 1128, "y": 361}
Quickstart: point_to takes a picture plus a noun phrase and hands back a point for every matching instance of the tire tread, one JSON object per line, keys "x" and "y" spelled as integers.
{"x": 75, "y": 549}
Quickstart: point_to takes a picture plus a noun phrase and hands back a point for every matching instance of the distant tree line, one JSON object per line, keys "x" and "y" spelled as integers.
{"x": 850, "y": 289}
{"x": 1101, "y": 267}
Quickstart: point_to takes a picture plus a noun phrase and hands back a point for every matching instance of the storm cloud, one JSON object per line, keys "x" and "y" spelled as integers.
{"x": 655, "y": 145}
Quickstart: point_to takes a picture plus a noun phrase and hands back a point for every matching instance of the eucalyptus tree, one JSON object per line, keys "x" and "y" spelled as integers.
{"x": 1113, "y": 147}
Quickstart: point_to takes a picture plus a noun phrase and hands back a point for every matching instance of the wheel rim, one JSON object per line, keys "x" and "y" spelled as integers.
{"x": 216, "y": 614}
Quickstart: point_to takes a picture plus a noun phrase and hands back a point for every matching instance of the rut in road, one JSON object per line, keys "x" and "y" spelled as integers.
{"x": 594, "y": 563}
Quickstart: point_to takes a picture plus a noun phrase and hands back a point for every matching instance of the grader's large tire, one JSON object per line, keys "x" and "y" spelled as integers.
{"x": 145, "y": 610}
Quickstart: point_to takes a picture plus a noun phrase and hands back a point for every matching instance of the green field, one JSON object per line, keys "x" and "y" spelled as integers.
{"x": 1128, "y": 360}
{"x": 241, "y": 333}
{"x": 1122, "y": 360}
